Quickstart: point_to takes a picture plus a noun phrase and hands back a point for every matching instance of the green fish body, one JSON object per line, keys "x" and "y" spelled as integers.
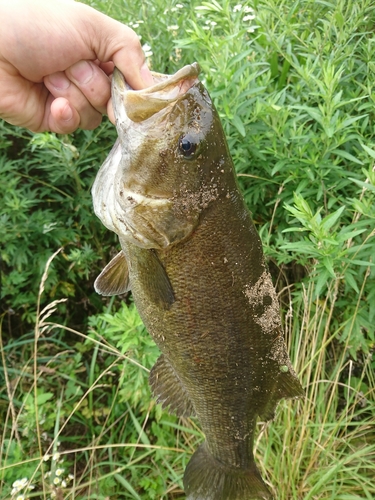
{"x": 194, "y": 263}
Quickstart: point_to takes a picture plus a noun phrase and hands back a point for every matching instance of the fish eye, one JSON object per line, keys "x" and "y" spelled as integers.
{"x": 187, "y": 146}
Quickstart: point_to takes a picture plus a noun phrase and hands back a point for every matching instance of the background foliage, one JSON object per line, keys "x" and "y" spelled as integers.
{"x": 293, "y": 84}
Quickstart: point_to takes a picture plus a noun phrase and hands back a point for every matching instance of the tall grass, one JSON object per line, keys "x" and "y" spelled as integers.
{"x": 293, "y": 84}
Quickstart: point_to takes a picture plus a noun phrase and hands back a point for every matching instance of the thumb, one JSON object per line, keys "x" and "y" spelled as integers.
{"x": 113, "y": 41}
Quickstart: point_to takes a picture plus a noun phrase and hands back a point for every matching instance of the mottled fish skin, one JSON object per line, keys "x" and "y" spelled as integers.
{"x": 206, "y": 296}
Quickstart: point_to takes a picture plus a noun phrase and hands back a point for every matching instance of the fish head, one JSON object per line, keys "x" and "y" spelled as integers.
{"x": 156, "y": 181}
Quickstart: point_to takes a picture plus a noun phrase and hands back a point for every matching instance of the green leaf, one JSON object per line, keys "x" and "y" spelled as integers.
{"x": 362, "y": 184}
{"x": 347, "y": 156}
{"x": 347, "y": 235}
{"x": 321, "y": 282}
{"x": 349, "y": 279}
{"x": 368, "y": 150}
{"x": 331, "y": 219}
{"x": 239, "y": 125}
{"x": 350, "y": 121}
{"x": 328, "y": 264}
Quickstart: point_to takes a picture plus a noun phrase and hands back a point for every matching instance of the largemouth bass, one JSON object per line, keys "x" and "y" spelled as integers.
{"x": 194, "y": 263}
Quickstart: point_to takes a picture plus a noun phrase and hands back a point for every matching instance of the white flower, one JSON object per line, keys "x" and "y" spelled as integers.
{"x": 20, "y": 483}
{"x": 248, "y": 9}
{"x": 250, "y": 17}
{"x": 179, "y": 6}
{"x": 147, "y": 50}
{"x": 135, "y": 25}
{"x": 213, "y": 23}
{"x": 56, "y": 456}
{"x": 172, "y": 28}
{"x": 20, "y": 497}
{"x": 237, "y": 7}
{"x": 59, "y": 472}
{"x": 63, "y": 483}
{"x": 46, "y": 457}
{"x": 56, "y": 480}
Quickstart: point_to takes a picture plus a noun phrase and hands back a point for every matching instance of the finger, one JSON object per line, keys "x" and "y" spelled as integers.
{"x": 107, "y": 67}
{"x": 110, "y": 112}
{"x": 116, "y": 42}
{"x": 61, "y": 117}
{"x": 91, "y": 80}
{"x": 127, "y": 61}
{"x": 60, "y": 86}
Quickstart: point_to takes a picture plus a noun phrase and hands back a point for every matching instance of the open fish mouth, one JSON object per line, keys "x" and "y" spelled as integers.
{"x": 139, "y": 105}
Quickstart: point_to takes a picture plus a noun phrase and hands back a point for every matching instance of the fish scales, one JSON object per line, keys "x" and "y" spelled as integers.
{"x": 196, "y": 269}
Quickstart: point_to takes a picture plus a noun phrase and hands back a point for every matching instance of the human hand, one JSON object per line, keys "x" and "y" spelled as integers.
{"x": 56, "y": 57}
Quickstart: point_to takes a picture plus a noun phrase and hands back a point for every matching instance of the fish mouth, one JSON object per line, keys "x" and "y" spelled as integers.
{"x": 140, "y": 105}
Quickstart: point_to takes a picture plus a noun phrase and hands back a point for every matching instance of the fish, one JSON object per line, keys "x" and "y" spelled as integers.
{"x": 194, "y": 262}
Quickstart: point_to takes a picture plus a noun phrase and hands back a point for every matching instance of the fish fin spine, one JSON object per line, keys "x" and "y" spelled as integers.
{"x": 209, "y": 479}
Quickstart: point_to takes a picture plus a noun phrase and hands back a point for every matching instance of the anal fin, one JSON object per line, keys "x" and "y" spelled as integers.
{"x": 114, "y": 279}
{"x": 168, "y": 389}
{"x": 287, "y": 386}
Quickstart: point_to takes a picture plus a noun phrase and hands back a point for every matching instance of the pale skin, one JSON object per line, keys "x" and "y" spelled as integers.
{"x": 56, "y": 58}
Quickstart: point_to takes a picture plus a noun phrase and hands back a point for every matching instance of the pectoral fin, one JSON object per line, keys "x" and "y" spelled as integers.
{"x": 155, "y": 281}
{"x": 114, "y": 279}
{"x": 168, "y": 389}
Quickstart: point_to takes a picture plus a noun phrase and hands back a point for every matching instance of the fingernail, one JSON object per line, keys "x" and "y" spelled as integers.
{"x": 146, "y": 75}
{"x": 59, "y": 80}
{"x": 66, "y": 113}
{"x": 82, "y": 72}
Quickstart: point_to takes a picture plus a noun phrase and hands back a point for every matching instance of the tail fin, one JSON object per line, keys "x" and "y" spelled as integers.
{"x": 208, "y": 479}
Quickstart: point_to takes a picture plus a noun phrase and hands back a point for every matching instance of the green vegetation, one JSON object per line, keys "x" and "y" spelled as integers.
{"x": 293, "y": 82}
